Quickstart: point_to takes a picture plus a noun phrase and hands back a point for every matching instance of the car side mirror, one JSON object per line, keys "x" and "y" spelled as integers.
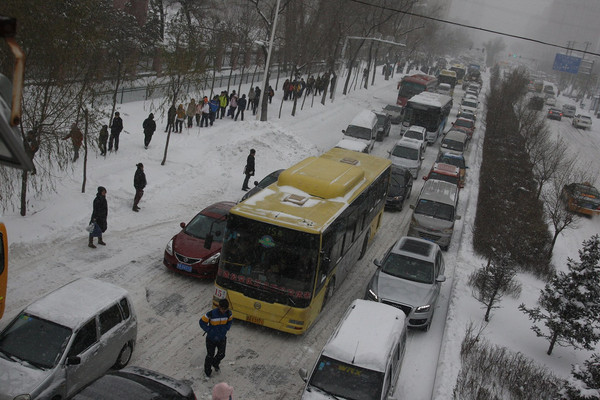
{"x": 457, "y": 217}
{"x": 208, "y": 241}
{"x": 182, "y": 225}
{"x": 377, "y": 262}
{"x": 73, "y": 360}
{"x": 255, "y": 183}
{"x": 303, "y": 374}
{"x": 343, "y": 131}
{"x": 440, "y": 278}
{"x": 411, "y": 206}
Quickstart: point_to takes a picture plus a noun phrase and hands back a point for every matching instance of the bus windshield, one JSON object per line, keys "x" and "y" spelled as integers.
{"x": 429, "y": 119}
{"x": 274, "y": 263}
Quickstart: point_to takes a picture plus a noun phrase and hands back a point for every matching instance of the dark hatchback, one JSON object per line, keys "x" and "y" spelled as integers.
{"x": 400, "y": 188}
{"x": 136, "y": 383}
{"x": 196, "y": 250}
{"x": 384, "y": 124}
{"x": 555, "y": 113}
{"x": 258, "y": 186}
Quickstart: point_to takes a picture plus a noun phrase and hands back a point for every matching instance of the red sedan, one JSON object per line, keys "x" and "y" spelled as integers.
{"x": 465, "y": 125}
{"x": 196, "y": 250}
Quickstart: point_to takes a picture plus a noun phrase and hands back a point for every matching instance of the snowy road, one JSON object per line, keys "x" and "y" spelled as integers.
{"x": 260, "y": 363}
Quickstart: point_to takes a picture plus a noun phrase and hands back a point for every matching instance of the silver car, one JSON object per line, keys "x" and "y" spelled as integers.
{"x": 409, "y": 277}
{"x": 65, "y": 340}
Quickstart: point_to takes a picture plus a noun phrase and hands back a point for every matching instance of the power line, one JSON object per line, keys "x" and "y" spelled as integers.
{"x": 445, "y": 21}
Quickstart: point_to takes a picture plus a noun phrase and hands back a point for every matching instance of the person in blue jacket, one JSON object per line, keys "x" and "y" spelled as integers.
{"x": 216, "y": 324}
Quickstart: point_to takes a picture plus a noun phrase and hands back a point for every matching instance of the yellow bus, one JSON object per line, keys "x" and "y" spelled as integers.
{"x": 288, "y": 247}
{"x": 449, "y": 77}
{"x": 3, "y": 266}
{"x": 460, "y": 70}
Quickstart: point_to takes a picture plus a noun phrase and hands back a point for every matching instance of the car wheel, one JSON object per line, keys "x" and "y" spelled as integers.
{"x": 124, "y": 356}
{"x": 329, "y": 292}
{"x": 428, "y": 325}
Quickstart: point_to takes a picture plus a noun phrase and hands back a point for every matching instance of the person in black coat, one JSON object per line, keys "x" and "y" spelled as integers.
{"x": 241, "y": 107}
{"x": 115, "y": 130}
{"x": 249, "y": 169}
{"x": 149, "y": 127}
{"x": 99, "y": 215}
{"x": 171, "y": 114}
{"x": 139, "y": 183}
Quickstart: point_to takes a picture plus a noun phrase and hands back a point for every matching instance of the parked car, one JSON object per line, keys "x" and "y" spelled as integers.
{"x": 536, "y": 103}
{"x": 258, "y": 186}
{"x": 445, "y": 89}
{"x": 467, "y": 115}
{"x": 468, "y": 105}
{"x": 363, "y": 130}
{"x": 435, "y": 213}
{"x": 406, "y": 153}
{"x": 395, "y": 112}
{"x": 399, "y": 189}
{"x": 554, "y": 113}
{"x": 550, "y": 100}
{"x": 569, "y": 110}
{"x": 65, "y": 340}
{"x": 454, "y": 142}
{"x": 384, "y": 124}
{"x": 363, "y": 357}
{"x": 582, "y": 198}
{"x": 136, "y": 383}
{"x": 457, "y": 160}
{"x": 445, "y": 172}
{"x": 418, "y": 133}
{"x": 582, "y": 121}
{"x": 195, "y": 251}
{"x": 465, "y": 125}
{"x": 409, "y": 277}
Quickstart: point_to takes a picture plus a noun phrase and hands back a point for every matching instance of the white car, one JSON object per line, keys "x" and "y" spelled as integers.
{"x": 407, "y": 153}
{"x": 550, "y": 101}
{"x": 469, "y": 105}
{"x": 582, "y": 121}
{"x": 418, "y": 133}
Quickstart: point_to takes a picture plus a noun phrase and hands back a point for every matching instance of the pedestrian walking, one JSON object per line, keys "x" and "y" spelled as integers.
{"x": 251, "y": 96}
{"x": 214, "y": 109}
{"x": 199, "y": 112}
{"x": 102, "y": 139}
{"x": 249, "y": 169}
{"x": 205, "y": 112}
{"x": 149, "y": 126}
{"x": 190, "y": 112}
{"x": 76, "y": 139}
{"x": 180, "y": 118}
{"x": 232, "y": 104}
{"x": 171, "y": 115}
{"x": 139, "y": 183}
{"x": 99, "y": 216}
{"x": 222, "y": 391}
{"x": 256, "y": 100}
{"x": 115, "y": 130}
{"x": 271, "y": 93}
{"x": 223, "y": 102}
{"x": 241, "y": 107}
{"x": 216, "y": 323}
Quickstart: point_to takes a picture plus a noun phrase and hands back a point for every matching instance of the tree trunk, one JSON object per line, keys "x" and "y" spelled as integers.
{"x": 491, "y": 302}
{"x": 164, "y": 160}
{"x": 85, "y": 150}
{"x": 24, "y": 193}
{"x": 554, "y": 237}
{"x": 366, "y": 76}
{"x": 552, "y": 343}
{"x": 350, "y": 66}
{"x": 375, "y": 64}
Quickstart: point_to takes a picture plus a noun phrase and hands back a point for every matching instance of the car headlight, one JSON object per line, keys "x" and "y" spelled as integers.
{"x": 169, "y": 248}
{"x": 371, "y": 295}
{"x": 23, "y": 397}
{"x": 213, "y": 259}
{"x": 423, "y": 309}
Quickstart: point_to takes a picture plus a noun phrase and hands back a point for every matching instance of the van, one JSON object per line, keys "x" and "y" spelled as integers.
{"x": 363, "y": 357}
{"x": 408, "y": 153}
{"x": 445, "y": 89}
{"x": 362, "y": 129}
{"x": 66, "y": 339}
{"x": 569, "y": 110}
{"x": 454, "y": 142}
{"x": 434, "y": 213}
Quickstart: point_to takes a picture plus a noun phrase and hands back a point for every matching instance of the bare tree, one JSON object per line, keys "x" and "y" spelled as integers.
{"x": 491, "y": 282}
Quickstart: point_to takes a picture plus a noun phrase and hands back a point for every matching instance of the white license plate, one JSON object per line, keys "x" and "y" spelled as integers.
{"x": 184, "y": 267}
